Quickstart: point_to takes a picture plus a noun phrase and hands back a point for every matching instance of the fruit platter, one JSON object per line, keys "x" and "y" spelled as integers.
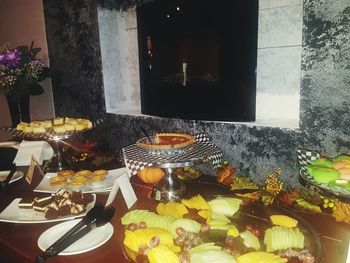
{"x": 218, "y": 229}
{"x": 331, "y": 175}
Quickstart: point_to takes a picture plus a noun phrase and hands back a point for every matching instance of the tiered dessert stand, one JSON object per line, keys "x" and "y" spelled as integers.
{"x": 170, "y": 187}
{"x": 56, "y": 140}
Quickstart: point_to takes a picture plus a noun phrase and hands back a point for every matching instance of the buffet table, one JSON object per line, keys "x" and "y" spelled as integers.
{"x": 18, "y": 242}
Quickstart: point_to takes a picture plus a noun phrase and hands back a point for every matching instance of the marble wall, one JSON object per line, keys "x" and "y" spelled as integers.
{"x": 324, "y": 93}
{"x": 75, "y": 57}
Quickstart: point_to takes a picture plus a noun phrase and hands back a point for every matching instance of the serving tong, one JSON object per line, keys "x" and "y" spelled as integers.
{"x": 96, "y": 217}
{"x": 6, "y": 182}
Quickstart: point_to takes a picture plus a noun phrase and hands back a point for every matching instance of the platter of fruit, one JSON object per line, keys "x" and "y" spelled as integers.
{"x": 218, "y": 229}
{"x": 332, "y": 175}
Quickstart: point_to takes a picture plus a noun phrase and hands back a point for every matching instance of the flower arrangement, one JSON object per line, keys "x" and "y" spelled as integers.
{"x": 21, "y": 72}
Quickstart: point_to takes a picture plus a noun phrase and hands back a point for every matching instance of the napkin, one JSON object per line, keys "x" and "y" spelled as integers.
{"x": 40, "y": 149}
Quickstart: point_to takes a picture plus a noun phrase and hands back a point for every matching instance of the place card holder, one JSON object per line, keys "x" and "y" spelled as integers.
{"x": 30, "y": 173}
{"x": 122, "y": 182}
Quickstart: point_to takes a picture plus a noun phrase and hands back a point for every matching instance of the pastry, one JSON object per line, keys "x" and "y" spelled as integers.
{"x": 27, "y": 129}
{"x": 57, "y": 181}
{"x": 344, "y": 173}
{"x": 26, "y": 203}
{"x": 39, "y": 129}
{"x": 47, "y": 123}
{"x": 342, "y": 157}
{"x": 169, "y": 140}
{"x": 69, "y": 127}
{"x": 35, "y": 123}
{"x": 96, "y": 180}
{"x": 325, "y": 175}
{"x": 66, "y": 174}
{"x": 58, "y": 121}
{"x": 323, "y": 162}
{"x": 85, "y": 173}
{"x": 40, "y": 207}
{"x": 21, "y": 125}
{"x": 78, "y": 181}
{"x": 42, "y": 200}
{"x": 80, "y": 127}
{"x": 102, "y": 173}
{"x": 59, "y": 129}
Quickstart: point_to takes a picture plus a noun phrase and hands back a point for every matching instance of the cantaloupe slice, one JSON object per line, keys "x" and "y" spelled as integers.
{"x": 283, "y": 220}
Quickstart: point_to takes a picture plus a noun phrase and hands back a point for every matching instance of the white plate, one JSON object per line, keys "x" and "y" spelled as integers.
{"x": 13, "y": 214}
{"x": 97, "y": 237}
{"x": 18, "y": 175}
{"x": 44, "y": 185}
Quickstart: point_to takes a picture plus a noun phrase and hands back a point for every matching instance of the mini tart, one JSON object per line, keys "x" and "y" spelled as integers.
{"x": 100, "y": 173}
{"x": 78, "y": 181}
{"x": 57, "y": 181}
{"x": 66, "y": 173}
{"x": 169, "y": 140}
{"x": 85, "y": 173}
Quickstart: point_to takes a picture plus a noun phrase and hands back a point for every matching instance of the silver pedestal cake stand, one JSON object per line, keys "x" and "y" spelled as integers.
{"x": 56, "y": 140}
{"x": 170, "y": 187}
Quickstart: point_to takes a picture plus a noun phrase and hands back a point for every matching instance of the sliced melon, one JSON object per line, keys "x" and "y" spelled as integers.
{"x": 279, "y": 237}
{"x": 187, "y": 224}
{"x": 250, "y": 240}
{"x": 225, "y": 205}
{"x": 213, "y": 255}
{"x": 161, "y": 254}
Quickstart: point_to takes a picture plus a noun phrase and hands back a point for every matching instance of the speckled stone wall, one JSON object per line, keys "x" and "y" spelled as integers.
{"x": 324, "y": 108}
{"x": 75, "y": 57}
{"x": 325, "y": 93}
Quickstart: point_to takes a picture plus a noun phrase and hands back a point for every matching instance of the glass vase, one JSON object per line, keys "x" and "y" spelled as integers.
{"x": 19, "y": 109}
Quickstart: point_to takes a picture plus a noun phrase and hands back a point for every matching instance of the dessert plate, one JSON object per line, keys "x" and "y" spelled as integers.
{"x": 13, "y": 214}
{"x": 95, "y": 238}
{"x": 106, "y": 185}
{"x": 18, "y": 175}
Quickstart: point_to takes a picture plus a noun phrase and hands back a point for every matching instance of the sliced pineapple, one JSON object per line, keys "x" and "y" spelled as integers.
{"x": 196, "y": 202}
{"x": 174, "y": 209}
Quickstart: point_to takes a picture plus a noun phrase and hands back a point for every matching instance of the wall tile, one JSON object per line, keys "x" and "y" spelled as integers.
{"x": 280, "y": 26}
{"x": 279, "y": 70}
{"x": 264, "y": 4}
{"x": 120, "y": 61}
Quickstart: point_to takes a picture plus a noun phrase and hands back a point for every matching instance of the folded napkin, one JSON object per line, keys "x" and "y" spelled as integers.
{"x": 40, "y": 149}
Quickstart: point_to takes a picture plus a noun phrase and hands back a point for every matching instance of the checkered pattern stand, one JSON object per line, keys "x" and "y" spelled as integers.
{"x": 203, "y": 150}
{"x": 305, "y": 157}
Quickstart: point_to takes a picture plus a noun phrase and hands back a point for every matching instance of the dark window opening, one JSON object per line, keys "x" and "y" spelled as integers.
{"x": 198, "y": 59}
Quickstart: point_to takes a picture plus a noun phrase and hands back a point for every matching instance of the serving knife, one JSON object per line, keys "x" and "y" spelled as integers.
{"x": 146, "y": 133}
{"x": 94, "y": 216}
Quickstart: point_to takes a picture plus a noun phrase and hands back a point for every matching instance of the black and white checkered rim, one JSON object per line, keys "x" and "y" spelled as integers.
{"x": 305, "y": 157}
{"x": 203, "y": 149}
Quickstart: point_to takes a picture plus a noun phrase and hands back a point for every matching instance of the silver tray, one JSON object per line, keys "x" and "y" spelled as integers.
{"x": 50, "y": 134}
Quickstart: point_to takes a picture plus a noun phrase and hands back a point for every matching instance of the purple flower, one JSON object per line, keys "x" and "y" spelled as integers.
{"x": 10, "y": 59}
